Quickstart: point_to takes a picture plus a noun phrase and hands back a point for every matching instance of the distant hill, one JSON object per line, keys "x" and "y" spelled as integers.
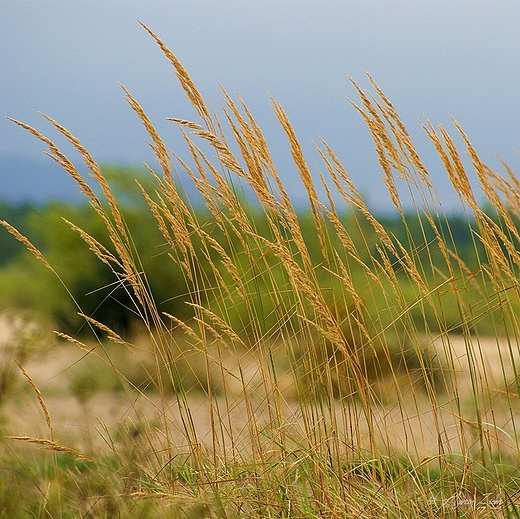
{"x": 35, "y": 181}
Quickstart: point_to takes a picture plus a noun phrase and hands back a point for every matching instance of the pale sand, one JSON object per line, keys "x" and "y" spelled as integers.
{"x": 411, "y": 424}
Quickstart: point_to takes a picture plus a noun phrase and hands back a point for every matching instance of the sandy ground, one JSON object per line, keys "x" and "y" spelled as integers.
{"x": 406, "y": 422}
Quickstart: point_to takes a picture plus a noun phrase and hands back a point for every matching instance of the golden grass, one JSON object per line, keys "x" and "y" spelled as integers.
{"x": 381, "y": 414}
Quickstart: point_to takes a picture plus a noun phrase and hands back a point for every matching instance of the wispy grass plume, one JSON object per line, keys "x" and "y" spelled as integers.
{"x": 343, "y": 367}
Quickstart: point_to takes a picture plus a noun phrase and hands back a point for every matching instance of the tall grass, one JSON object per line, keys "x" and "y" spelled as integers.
{"x": 343, "y": 370}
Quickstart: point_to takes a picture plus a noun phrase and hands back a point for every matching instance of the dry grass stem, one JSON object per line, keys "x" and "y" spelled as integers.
{"x": 51, "y": 445}
{"x": 39, "y": 396}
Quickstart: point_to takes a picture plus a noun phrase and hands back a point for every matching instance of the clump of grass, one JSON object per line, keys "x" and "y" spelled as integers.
{"x": 384, "y": 401}
{"x": 21, "y": 340}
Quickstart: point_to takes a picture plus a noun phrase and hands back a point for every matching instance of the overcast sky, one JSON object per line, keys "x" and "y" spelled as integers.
{"x": 438, "y": 57}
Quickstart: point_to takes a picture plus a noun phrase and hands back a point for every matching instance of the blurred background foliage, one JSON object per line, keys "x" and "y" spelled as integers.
{"x": 25, "y": 284}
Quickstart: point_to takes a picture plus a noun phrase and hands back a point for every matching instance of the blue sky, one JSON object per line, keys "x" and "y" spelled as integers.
{"x": 439, "y": 58}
